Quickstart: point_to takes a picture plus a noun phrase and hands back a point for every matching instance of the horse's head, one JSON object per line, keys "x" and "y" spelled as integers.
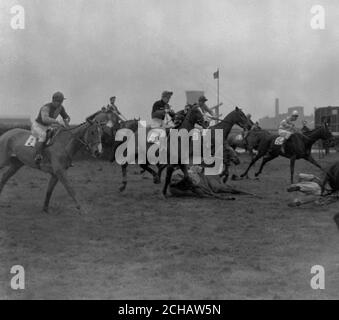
{"x": 195, "y": 116}
{"x": 238, "y": 117}
{"x": 230, "y": 155}
{"x": 92, "y": 137}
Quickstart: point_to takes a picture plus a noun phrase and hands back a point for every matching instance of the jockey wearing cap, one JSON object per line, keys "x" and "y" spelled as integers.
{"x": 305, "y": 128}
{"x": 46, "y": 119}
{"x": 160, "y": 110}
{"x": 114, "y": 115}
{"x": 287, "y": 127}
{"x": 203, "y": 107}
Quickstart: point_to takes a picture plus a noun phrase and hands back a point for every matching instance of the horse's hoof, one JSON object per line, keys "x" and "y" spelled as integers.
{"x": 164, "y": 196}
{"x": 122, "y": 188}
{"x": 44, "y": 210}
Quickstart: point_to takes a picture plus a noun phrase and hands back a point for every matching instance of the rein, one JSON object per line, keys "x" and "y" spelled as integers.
{"x": 83, "y": 142}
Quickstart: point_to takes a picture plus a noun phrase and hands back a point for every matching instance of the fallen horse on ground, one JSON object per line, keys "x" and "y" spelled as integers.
{"x": 200, "y": 185}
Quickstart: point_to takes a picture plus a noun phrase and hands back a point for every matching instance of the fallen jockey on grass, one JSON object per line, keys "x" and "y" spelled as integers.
{"x": 309, "y": 191}
{"x": 201, "y": 185}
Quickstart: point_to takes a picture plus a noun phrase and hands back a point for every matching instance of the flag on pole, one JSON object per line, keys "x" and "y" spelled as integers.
{"x": 216, "y": 75}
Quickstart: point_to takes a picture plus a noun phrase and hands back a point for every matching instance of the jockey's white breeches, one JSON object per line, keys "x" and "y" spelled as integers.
{"x": 39, "y": 131}
{"x": 284, "y": 133}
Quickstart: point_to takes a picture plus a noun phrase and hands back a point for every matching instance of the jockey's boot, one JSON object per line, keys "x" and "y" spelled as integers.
{"x": 282, "y": 149}
{"x": 38, "y": 152}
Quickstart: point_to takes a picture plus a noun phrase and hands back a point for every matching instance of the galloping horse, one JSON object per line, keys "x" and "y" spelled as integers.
{"x": 57, "y": 157}
{"x": 299, "y": 146}
{"x": 236, "y": 116}
{"x": 193, "y": 116}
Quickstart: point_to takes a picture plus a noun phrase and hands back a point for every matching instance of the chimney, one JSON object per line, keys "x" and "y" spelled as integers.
{"x": 276, "y": 107}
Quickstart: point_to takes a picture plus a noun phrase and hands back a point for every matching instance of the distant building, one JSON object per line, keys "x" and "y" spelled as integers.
{"x": 330, "y": 115}
{"x": 272, "y": 123}
{"x": 15, "y": 121}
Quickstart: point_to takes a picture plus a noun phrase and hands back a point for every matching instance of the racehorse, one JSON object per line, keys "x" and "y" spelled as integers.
{"x": 57, "y": 157}
{"x": 193, "y": 116}
{"x": 299, "y": 146}
{"x": 236, "y": 116}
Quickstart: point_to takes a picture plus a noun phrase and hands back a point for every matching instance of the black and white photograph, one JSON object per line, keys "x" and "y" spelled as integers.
{"x": 169, "y": 150}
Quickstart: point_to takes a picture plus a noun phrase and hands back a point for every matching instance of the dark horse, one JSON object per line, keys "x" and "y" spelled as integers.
{"x": 235, "y": 117}
{"x": 299, "y": 146}
{"x": 193, "y": 116}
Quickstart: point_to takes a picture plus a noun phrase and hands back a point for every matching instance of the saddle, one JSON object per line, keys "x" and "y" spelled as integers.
{"x": 51, "y": 133}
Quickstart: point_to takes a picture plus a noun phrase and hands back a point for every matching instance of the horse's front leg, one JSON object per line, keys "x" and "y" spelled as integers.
{"x": 124, "y": 177}
{"x": 253, "y": 161}
{"x": 225, "y": 173}
{"x": 169, "y": 172}
{"x": 268, "y": 157}
{"x": 146, "y": 167}
{"x": 62, "y": 176}
{"x": 292, "y": 163}
{"x": 51, "y": 185}
{"x": 161, "y": 167}
{"x": 311, "y": 159}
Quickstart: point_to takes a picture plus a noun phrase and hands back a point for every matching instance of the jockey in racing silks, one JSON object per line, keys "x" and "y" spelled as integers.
{"x": 114, "y": 115}
{"x": 287, "y": 127}
{"x": 46, "y": 119}
{"x": 204, "y": 108}
{"x": 161, "y": 109}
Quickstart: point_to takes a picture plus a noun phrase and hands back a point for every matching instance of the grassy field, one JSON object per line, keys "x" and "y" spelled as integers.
{"x": 137, "y": 245}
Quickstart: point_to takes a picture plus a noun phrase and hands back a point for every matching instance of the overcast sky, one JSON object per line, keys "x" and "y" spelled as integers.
{"x": 135, "y": 49}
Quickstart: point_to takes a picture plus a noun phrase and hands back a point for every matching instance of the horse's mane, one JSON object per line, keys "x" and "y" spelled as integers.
{"x": 73, "y": 128}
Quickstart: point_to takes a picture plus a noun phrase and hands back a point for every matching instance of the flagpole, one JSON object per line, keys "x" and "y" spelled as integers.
{"x": 218, "y": 90}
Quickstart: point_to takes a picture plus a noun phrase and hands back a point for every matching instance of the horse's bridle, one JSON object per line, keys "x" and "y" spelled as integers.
{"x": 84, "y": 142}
{"x": 89, "y": 145}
